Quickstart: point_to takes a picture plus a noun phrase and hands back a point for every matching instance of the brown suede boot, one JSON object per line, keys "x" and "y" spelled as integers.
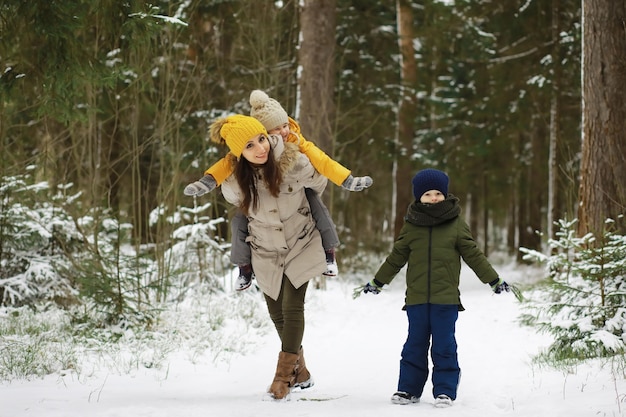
{"x": 303, "y": 376}
{"x": 285, "y": 377}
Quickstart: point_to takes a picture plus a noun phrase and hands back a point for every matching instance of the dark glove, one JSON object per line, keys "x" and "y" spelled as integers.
{"x": 357, "y": 183}
{"x": 499, "y": 285}
{"x": 374, "y": 286}
{"x": 205, "y": 185}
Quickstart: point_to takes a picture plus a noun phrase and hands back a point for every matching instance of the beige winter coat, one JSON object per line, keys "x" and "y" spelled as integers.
{"x": 282, "y": 233}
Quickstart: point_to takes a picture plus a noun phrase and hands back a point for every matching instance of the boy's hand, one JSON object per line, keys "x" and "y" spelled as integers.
{"x": 357, "y": 183}
{"x": 205, "y": 185}
{"x": 373, "y": 286}
{"x": 499, "y": 285}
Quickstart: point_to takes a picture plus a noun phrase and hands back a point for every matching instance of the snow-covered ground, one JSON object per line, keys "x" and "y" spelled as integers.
{"x": 352, "y": 348}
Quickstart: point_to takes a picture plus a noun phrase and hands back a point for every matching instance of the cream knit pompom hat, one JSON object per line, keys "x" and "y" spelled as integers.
{"x": 267, "y": 110}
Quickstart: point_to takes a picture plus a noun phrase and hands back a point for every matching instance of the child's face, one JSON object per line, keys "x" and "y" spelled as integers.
{"x": 257, "y": 149}
{"x": 432, "y": 197}
{"x": 282, "y": 130}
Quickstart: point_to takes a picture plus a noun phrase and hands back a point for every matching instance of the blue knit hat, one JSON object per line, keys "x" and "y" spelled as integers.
{"x": 429, "y": 179}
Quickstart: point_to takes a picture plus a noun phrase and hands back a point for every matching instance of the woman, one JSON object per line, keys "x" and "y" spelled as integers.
{"x": 275, "y": 119}
{"x": 268, "y": 185}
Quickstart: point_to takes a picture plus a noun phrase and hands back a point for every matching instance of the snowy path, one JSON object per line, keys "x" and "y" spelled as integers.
{"x": 352, "y": 348}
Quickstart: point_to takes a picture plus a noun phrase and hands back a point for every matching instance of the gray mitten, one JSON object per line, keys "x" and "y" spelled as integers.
{"x": 205, "y": 185}
{"x": 357, "y": 183}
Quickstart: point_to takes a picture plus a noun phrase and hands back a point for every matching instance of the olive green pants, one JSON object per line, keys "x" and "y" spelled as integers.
{"x": 287, "y": 313}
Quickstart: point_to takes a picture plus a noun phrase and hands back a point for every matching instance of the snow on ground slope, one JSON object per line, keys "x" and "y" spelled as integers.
{"x": 352, "y": 348}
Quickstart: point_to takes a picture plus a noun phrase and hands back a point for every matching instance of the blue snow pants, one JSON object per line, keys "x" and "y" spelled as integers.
{"x": 425, "y": 321}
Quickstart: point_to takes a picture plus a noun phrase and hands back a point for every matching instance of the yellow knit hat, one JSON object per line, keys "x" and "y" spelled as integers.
{"x": 267, "y": 110}
{"x": 235, "y": 131}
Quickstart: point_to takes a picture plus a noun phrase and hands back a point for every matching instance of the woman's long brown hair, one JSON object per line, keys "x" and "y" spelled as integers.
{"x": 245, "y": 175}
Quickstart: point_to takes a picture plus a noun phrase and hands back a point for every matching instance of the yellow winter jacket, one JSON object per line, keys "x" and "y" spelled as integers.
{"x": 323, "y": 163}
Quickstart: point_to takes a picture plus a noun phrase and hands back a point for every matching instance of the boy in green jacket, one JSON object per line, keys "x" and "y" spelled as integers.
{"x": 432, "y": 241}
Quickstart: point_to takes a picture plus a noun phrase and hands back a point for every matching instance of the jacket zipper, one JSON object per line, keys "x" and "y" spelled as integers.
{"x": 430, "y": 238}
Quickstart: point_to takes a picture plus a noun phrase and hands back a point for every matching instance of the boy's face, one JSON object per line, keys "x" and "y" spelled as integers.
{"x": 257, "y": 149}
{"x": 432, "y": 197}
{"x": 282, "y": 130}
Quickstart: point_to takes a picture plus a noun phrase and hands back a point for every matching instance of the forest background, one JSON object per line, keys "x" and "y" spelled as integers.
{"x": 104, "y": 109}
{"x": 115, "y": 98}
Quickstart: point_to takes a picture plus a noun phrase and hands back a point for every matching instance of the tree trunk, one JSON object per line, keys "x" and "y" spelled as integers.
{"x": 485, "y": 197}
{"x": 511, "y": 241}
{"x": 317, "y": 79}
{"x": 530, "y": 203}
{"x": 522, "y": 215}
{"x": 602, "y": 191}
{"x": 537, "y": 181}
{"x": 554, "y": 205}
{"x": 404, "y": 144}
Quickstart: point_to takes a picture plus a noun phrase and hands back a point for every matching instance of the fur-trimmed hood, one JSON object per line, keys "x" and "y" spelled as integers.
{"x": 286, "y": 154}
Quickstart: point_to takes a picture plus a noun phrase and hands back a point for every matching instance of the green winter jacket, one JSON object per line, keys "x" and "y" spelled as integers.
{"x": 432, "y": 241}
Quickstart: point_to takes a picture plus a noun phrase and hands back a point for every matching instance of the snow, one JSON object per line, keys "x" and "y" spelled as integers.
{"x": 352, "y": 348}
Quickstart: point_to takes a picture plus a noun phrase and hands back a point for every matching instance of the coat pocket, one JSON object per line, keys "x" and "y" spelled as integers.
{"x": 252, "y": 242}
{"x": 306, "y": 212}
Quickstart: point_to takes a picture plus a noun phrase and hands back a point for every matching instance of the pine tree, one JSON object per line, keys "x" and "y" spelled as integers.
{"x": 581, "y": 304}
